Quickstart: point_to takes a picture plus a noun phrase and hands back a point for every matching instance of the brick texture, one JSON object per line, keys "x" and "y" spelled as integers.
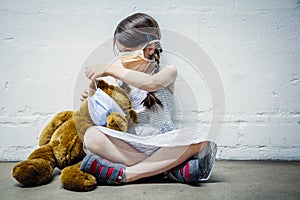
{"x": 254, "y": 45}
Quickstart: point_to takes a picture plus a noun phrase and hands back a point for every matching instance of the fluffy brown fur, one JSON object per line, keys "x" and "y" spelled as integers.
{"x": 61, "y": 144}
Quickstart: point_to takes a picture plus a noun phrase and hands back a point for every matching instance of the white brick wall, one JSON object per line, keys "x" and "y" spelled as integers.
{"x": 254, "y": 45}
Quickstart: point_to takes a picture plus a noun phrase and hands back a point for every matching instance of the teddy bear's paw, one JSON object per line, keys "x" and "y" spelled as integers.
{"x": 33, "y": 172}
{"x": 117, "y": 122}
{"x": 74, "y": 179}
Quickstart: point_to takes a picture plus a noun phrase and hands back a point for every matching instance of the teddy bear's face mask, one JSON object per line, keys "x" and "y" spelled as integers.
{"x": 100, "y": 105}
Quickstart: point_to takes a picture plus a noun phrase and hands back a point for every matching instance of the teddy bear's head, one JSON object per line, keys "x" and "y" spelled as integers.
{"x": 120, "y": 97}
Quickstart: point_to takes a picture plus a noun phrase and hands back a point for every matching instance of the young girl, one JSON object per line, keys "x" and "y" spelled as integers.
{"x": 115, "y": 157}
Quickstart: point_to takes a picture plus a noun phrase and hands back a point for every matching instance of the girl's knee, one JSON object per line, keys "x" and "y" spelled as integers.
{"x": 91, "y": 138}
{"x": 196, "y": 148}
{"x": 88, "y": 134}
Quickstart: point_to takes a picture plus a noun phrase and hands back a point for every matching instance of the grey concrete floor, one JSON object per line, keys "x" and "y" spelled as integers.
{"x": 230, "y": 180}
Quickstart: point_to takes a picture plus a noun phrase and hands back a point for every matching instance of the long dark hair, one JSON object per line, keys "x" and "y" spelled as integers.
{"x": 135, "y": 31}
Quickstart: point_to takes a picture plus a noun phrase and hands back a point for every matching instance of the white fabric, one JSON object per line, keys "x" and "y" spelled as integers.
{"x": 100, "y": 105}
{"x": 156, "y": 129}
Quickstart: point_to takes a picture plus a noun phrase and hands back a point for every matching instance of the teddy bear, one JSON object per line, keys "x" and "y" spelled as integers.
{"x": 61, "y": 143}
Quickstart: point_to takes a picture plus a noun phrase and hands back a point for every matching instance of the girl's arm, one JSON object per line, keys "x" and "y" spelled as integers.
{"x": 144, "y": 81}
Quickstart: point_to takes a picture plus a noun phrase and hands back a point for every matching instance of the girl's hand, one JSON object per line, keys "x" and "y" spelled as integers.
{"x": 93, "y": 72}
{"x": 85, "y": 93}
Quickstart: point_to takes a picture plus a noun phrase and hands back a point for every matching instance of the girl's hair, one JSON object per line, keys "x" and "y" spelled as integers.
{"x": 135, "y": 31}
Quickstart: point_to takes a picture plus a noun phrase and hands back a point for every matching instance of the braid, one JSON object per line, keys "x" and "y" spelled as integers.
{"x": 151, "y": 100}
{"x": 156, "y": 55}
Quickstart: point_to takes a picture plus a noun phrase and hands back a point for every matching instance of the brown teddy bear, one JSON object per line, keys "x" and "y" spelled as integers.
{"x": 61, "y": 144}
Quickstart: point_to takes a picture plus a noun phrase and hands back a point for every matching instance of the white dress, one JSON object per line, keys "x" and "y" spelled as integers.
{"x": 151, "y": 124}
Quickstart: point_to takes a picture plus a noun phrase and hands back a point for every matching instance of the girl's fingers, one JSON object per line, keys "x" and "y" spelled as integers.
{"x": 94, "y": 71}
{"x": 82, "y": 98}
{"x": 91, "y": 90}
{"x": 84, "y": 94}
{"x": 86, "y": 71}
{"x": 93, "y": 77}
{"x": 90, "y": 74}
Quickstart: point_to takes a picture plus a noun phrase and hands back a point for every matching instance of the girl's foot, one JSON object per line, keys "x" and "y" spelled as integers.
{"x": 187, "y": 172}
{"x": 198, "y": 168}
{"x": 106, "y": 172}
{"x": 206, "y": 159}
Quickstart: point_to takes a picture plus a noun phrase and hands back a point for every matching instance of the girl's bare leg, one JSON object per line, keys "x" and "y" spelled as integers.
{"x": 111, "y": 148}
{"x": 139, "y": 164}
{"x": 162, "y": 160}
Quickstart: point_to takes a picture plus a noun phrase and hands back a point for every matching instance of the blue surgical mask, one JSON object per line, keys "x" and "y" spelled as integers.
{"x": 100, "y": 105}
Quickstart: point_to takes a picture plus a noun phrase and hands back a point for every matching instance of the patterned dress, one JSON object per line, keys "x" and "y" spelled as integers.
{"x": 151, "y": 122}
{"x": 156, "y": 129}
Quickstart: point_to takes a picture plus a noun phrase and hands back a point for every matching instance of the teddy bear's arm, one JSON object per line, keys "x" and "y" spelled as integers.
{"x": 117, "y": 122}
{"x": 54, "y": 124}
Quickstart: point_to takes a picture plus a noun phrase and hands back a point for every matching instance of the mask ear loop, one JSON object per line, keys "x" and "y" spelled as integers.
{"x": 96, "y": 87}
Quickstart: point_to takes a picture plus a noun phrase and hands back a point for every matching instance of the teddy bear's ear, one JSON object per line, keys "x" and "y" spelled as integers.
{"x": 133, "y": 116}
{"x": 102, "y": 84}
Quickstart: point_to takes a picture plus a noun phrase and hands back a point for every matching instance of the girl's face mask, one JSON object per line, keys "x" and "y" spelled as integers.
{"x": 136, "y": 59}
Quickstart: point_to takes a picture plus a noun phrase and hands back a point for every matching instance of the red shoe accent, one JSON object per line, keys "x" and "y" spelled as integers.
{"x": 100, "y": 169}
{"x": 109, "y": 172}
{"x": 106, "y": 172}
{"x": 181, "y": 169}
{"x": 187, "y": 169}
{"x": 119, "y": 178}
{"x": 93, "y": 167}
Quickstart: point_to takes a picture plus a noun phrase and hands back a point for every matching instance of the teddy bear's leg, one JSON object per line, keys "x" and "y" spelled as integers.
{"x": 53, "y": 125}
{"x": 72, "y": 178}
{"x": 117, "y": 121}
{"x": 37, "y": 169}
